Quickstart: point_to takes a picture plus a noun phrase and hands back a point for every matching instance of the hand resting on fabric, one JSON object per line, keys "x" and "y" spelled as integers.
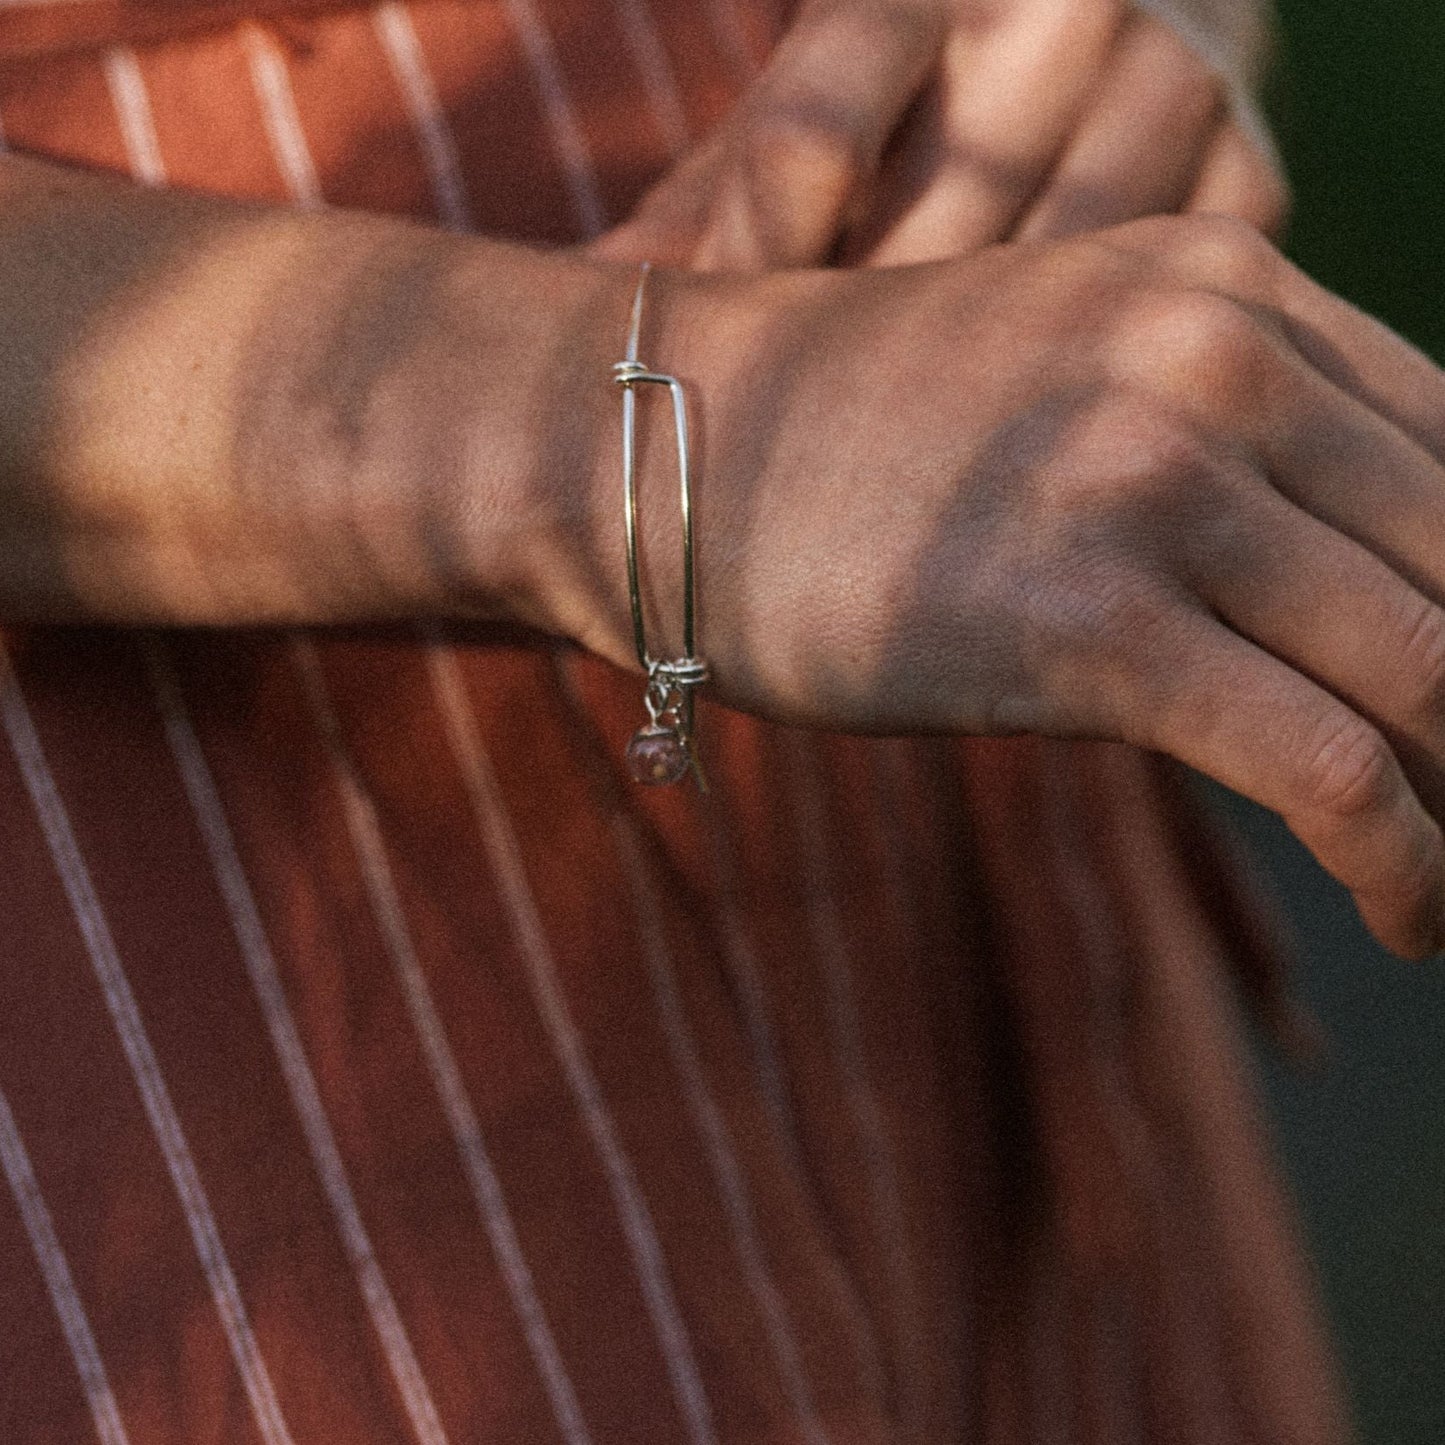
{"x": 1149, "y": 484}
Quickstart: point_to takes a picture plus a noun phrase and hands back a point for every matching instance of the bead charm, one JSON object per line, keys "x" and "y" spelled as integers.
{"x": 657, "y": 755}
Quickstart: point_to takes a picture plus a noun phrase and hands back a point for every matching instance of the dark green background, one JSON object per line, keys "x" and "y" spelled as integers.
{"x": 1359, "y": 100}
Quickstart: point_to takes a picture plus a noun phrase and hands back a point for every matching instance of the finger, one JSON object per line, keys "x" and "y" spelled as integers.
{"x": 1333, "y": 610}
{"x": 1360, "y": 355}
{"x": 1229, "y": 709}
{"x": 1138, "y": 150}
{"x": 1236, "y": 179}
{"x": 1325, "y": 449}
{"x": 1358, "y": 472}
{"x": 771, "y": 186}
{"x": 1011, "y": 86}
{"x": 814, "y": 127}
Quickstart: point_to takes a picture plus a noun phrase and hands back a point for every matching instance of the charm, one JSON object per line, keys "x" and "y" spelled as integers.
{"x": 657, "y": 755}
{"x": 661, "y": 751}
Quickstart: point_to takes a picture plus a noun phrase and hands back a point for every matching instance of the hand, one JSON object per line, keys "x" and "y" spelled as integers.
{"x": 893, "y": 131}
{"x": 1151, "y": 485}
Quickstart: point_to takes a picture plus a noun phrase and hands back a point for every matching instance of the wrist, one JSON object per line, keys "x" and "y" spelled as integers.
{"x": 541, "y": 509}
{"x": 734, "y": 342}
{"x": 456, "y": 480}
{"x": 689, "y": 325}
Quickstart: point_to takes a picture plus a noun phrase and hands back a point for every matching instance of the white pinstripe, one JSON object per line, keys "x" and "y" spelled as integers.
{"x": 710, "y": 1124}
{"x": 1085, "y": 895}
{"x": 290, "y": 1051}
{"x": 502, "y": 850}
{"x": 133, "y": 108}
{"x": 120, "y": 1001}
{"x": 58, "y": 1281}
{"x": 366, "y": 838}
{"x": 745, "y": 975}
{"x": 567, "y": 138}
{"x": 640, "y": 31}
{"x": 404, "y": 53}
{"x": 282, "y": 120}
{"x": 846, "y": 1040}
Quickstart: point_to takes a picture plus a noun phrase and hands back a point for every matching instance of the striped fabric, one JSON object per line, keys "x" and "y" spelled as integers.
{"x": 376, "y": 1069}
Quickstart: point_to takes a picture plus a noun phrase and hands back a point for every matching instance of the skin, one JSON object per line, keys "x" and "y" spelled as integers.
{"x": 1146, "y": 483}
{"x": 214, "y": 413}
{"x": 1150, "y": 484}
{"x": 889, "y": 132}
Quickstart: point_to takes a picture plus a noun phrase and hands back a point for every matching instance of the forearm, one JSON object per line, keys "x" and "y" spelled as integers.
{"x": 217, "y": 414}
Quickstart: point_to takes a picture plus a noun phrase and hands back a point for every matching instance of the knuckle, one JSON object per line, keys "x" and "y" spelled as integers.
{"x": 1203, "y": 348}
{"x": 1148, "y": 460}
{"x": 1350, "y": 772}
{"x": 1418, "y": 880}
{"x": 795, "y": 137}
{"x": 1208, "y": 332}
{"x": 1102, "y": 635}
{"x": 1227, "y": 250}
{"x": 1422, "y": 658}
{"x": 1272, "y": 200}
{"x": 1175, "y": 462}
{"x": 1355, "y": 785}
{"x": 1213, "y": 249}
{"x": 1410, "y": 886}
{"x": 1229, "y": 254}
{"x": 1145, "y": 484}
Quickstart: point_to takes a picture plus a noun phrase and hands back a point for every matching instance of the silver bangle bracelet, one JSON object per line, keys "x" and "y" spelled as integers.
{"x": 664, "y": 749}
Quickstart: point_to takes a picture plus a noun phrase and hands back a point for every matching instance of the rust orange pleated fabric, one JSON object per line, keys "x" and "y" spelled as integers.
{"x": 376, "y": 1068}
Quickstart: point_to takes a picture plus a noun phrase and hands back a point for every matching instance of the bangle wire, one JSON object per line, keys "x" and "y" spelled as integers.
{"x": 631, "y": 373}
{"x": 677, "y": 679}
